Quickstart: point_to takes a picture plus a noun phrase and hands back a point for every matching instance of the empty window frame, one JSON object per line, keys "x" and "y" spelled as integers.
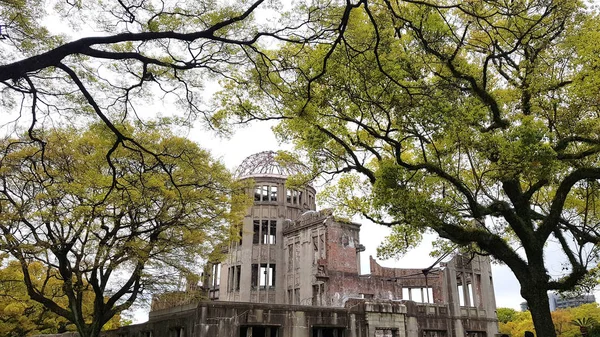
{"x": 386, "y": 332}
{"x": 268, "y": 230}
{"x": 293, "y": 197}
{"x": 263, "y": 275}
{"x": 319, "y": 246}
{"x": 259, "y": 331}
{"x": 465, "y": 290}
{"x": 420, "y": 294}
{"x": 215, "y": 275}
{"x": 273, "y": 194}
{"x": 265, "y": 193}
{"x": 234, "y": 278}
{"x": 265, "y": 232}
{"x": 318, "y": 297}
{"x": 256, "y": 236}
{"x": 327, "y": 332}
{"x": 176, "y": 332}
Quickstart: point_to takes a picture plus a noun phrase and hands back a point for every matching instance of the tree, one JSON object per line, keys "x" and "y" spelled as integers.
{"x": 475, "y": 120}
{"x": 109, "y": 230}
{"x": 562, "y": 321}
{"x": 518, "y": 323}
{"x": 20, "y": 316}
{"x": 112, "y": 61}
{"x": 506, "y": 315}
{"x": 566, "y": 321}
{"x": 116, "y": 62}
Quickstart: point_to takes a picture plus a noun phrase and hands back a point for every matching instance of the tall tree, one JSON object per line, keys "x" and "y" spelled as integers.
{"x": 109, "y": 230}
{"x": 477, "y": 120}
{"x": 106, "y": 61}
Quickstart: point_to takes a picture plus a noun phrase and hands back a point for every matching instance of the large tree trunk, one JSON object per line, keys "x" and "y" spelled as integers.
{"x": 90, "y": 330}
{"x": 539, "y": 305}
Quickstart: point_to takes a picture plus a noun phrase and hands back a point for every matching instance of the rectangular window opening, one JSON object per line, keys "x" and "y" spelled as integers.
{"x": 176, "y": 332}
{"x": 272, "y": 231}
{"x": 238, "y": 273}
{"x": 470, "y": 293}
{"x": 461, "y": 296}
{"x": 327, "y": 332}
{"x": 273, "y": 193}
{"x": 254, "y": 276}
{"x": 416, "y": 295}
{"x": 256, "y": 236}
{"x": 230, "y": 278}
{"x": 259, "y": 331}
{"x": 315, "y": 242}
{"x": 216, "y": 275}
{"x": 267, "y": 275}
{"x": 264, "y": 228}
{"x": 257, "y": 193}
{"x": 406, "y": 294}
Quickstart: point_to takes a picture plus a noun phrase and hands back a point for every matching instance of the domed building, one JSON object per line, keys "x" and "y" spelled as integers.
{"x": 254, "y": 267}
{"x": 295, "y": 272}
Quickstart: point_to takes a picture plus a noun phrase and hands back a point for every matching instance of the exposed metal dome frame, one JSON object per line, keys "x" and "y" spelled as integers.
{"x": 264, "y": 164}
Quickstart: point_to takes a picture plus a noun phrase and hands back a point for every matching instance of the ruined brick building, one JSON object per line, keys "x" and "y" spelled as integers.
{"x": 295, "y": 272}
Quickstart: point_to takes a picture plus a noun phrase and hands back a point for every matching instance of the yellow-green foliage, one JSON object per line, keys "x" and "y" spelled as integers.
{"x": 114, "y": 213}
{"x": 20, "y": 316}
{"x": 516, "y": 323}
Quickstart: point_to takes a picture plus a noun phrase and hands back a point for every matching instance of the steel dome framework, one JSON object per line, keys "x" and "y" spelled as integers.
{"x": 265, "y": 164}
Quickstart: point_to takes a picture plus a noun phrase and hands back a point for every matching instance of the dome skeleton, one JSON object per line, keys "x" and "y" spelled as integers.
{"x": 265, "y": 164}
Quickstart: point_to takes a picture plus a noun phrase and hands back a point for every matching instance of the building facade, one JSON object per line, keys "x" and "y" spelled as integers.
{"x": 295, "y": 272}
{"x": 559, "y": 302}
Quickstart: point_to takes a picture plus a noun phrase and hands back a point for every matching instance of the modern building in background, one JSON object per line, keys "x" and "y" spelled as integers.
{"x": 559, "y": 302}
{"x": 524, "y": 306}
{"x": 295, "y": 272}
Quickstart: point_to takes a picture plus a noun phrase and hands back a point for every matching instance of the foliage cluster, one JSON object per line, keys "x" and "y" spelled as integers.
{"x": 566, "y": 321}
{"x": 20, "y": 316}
{"x": 110, "y": 223}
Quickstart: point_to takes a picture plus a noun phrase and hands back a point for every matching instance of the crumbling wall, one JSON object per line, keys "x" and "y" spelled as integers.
{"x": 413, "y": 279}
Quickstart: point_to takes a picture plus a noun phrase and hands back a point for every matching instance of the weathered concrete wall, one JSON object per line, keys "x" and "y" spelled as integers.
{"x": 230, "y": 319}
{"x": 248, "y": 253}
{"x": 413, "y": 278}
